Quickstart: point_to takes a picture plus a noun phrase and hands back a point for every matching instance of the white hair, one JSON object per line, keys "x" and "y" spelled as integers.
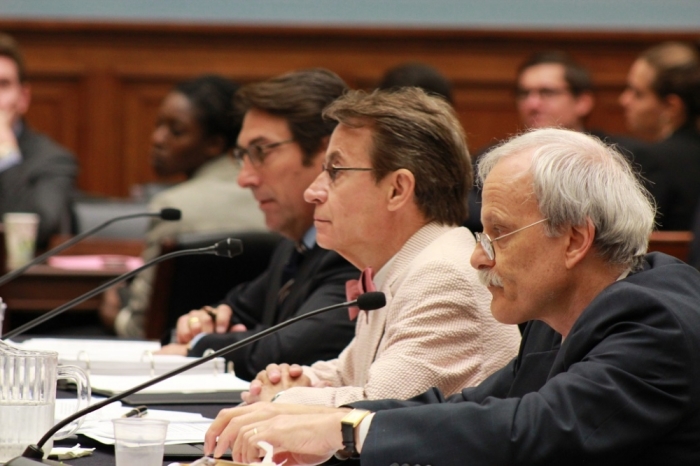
{"x": 576, "y": 178}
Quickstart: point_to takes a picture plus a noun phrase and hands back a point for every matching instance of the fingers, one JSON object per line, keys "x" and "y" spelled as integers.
{"x": 223, "y": 318}
{"x": 274, "y": 372}
{"x": 239, "y": 328}
{"x": 295, "y": 371}
{"x": 253, "y": 393}
{"x": 194, "y": 323}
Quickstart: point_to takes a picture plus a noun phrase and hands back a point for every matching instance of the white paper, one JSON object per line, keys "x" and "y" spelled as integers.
{"x": 183, "y": 383}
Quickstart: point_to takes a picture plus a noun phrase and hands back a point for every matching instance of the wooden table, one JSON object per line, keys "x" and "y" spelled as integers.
{"x": 43, "y": 288}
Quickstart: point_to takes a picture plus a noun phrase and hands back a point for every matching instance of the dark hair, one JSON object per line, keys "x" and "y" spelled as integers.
{"x": 576, "y": 76}
{"x": 299, "y": 97}
{"x": 417, "y": 75}
{"x": 10, "y": 49}
{"x": 677, "y": 67}
{"x": 211, "y": 97}
{"x": 420, "y": 133}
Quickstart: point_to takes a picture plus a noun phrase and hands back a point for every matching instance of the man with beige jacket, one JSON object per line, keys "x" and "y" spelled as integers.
{"x": 390, "y": 200}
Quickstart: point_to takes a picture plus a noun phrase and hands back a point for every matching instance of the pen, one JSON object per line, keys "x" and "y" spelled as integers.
{"x": 138, "y": 411}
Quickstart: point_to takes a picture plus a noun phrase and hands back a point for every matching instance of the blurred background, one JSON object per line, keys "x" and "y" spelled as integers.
{"x": 99, "y": 70}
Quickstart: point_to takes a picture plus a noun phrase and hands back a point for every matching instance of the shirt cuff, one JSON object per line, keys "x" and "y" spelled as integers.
{"x": 362, "y": 431}
{"x": 193, "y": 342}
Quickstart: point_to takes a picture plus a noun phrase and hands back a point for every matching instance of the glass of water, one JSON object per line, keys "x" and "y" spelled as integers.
{"x": 139, "y": 441}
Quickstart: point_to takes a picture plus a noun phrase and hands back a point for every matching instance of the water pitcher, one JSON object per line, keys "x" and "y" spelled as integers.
{"x": 28, "y": 398}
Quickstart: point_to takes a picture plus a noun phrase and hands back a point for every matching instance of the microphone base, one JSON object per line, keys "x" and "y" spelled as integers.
{"x": 22, "y": 461}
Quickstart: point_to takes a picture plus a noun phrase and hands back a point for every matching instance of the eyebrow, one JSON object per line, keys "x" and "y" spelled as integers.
{"x": 333, "y": 157}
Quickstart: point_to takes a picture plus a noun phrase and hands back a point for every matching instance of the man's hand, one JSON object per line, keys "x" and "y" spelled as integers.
{"x": 300, "y": 434}
{"x": 201, "y": 320}
{"x": 274, "y": 379}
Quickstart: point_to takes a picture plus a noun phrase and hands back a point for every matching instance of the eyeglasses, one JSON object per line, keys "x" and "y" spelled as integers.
{"x": 544, "y": 93}
{"x": 256, "y": 152}
{"x": 332, "y": 170}
{"x": 487, "y": 243}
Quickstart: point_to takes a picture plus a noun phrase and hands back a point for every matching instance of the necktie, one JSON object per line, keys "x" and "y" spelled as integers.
{"x": 354, "y": 288}
{"x": 290, "y": 270}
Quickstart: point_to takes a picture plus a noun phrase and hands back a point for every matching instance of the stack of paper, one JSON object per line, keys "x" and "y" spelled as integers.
{"x": 183, "y": 428}
{"x": 118, "y": 357}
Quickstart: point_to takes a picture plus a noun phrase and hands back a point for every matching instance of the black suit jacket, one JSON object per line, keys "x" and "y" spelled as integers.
{"x": 42, "y": 183}
{"x": 623, "y": 388}
{"x": 318, "y": 282}
{"x": 679, "y": 160}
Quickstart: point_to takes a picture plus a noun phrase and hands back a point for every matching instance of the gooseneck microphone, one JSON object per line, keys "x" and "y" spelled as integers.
{"x": 366, "y": 302}
{"x": 168, "y": 214}
{"x": 230, "y": 247}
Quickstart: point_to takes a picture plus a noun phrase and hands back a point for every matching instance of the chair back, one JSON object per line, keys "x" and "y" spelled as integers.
{"x": 190, "y": 282}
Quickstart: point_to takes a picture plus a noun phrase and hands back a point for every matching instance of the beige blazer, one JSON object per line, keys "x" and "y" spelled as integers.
{"x": 436, "y": 329}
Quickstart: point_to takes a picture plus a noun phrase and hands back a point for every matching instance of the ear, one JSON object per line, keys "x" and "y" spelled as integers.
{"x": 25, "y": 100}
{"x": 676, "y": 109}
{"x": 401, "y": 186}
{"x": 579, "y": 244}
{"x": 584, "y": 104}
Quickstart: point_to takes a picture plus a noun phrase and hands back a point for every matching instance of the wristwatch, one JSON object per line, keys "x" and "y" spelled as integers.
{"x": 347, "y": 427}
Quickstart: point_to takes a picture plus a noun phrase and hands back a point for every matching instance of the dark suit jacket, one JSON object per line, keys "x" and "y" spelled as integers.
{"x": 623, "y": 388}
{"x": 319, "y": 282}
{"x": 42, "y": 183}
{"x": 679, "y": 159}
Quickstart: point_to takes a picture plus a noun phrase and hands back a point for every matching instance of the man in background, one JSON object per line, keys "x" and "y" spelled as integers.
{"x": 36, "y": 174}
{"x": 662, "y": 106}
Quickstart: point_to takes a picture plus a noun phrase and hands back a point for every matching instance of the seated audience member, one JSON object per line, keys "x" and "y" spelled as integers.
{"x": 193, "y": 132}
{"x": 36, "y": 174}
{"x": 607, "y": 372}
{"x": 662, "y": 105}
{"x": 551, "y": 90}
{"x": 391, "y": 200}
{"x": 418, "y": 75}
{"x": 281, "y": 146}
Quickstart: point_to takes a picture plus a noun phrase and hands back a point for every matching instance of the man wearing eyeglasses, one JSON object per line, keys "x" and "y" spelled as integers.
{"x": 280, "y": 149}
{"x": 607, "y": 373}
{"x": 390, "y": 200}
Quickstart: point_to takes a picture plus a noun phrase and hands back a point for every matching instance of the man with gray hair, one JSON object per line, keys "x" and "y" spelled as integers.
{"x": 608, "y": 369}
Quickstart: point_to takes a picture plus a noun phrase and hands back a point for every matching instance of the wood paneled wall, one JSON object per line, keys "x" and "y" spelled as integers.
{"x": 97, "y": 87}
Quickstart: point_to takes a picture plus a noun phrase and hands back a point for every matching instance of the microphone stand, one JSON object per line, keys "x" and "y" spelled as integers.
{"x": 367, "y": 302}
{"x": 229, "y": 247}
{"x": 165, "y": 214}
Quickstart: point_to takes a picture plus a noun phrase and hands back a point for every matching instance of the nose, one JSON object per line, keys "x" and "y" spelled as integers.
{"x": 248, "y": 177}
{"x": 159, "y": 135}
{"x": 317, "y": 192}
{"x": 479, "y": 259}
{"x": 624, "y": 98}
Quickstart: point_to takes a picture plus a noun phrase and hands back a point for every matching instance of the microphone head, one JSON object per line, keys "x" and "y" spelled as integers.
{"x": 371, "y": 300}
{"x": 230, "y": 247}
{"x": 170, "y": 214}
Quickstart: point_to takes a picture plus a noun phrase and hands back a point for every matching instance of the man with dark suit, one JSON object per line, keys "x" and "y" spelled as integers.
{"x": 662, "y": 105}
{"x": 607, "y": 372}
{"x": 36, "y": 174}
{"x": 281, "y": 149}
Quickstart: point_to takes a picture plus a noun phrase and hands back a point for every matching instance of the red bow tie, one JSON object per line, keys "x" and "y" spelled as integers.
{"x": 354, "y": 288}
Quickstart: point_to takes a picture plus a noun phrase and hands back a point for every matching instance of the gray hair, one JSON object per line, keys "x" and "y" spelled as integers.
{"x": 577, "y": 177}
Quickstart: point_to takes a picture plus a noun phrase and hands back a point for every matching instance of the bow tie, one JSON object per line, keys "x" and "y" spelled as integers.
{"x": 354, "y": 288}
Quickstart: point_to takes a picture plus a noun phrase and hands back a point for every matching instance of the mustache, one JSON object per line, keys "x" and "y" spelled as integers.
{"x": 490, "y": 278}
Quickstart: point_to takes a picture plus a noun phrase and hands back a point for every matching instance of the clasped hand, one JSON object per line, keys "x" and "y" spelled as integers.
{"x": 274, "y": 379}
